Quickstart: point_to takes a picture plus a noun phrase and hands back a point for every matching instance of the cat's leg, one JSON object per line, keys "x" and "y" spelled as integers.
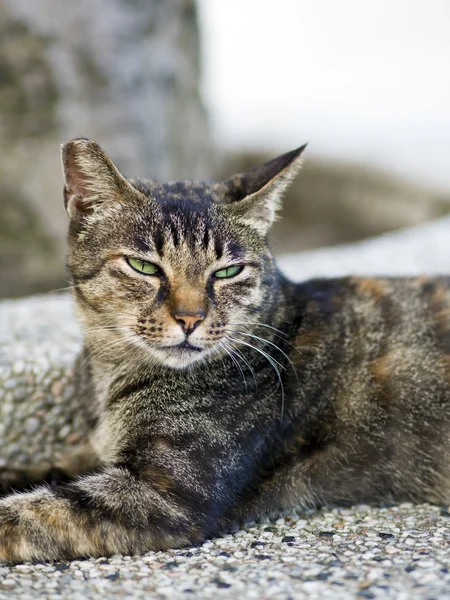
{"x": 115, "y": 511}
{"x": 19, "y": 477}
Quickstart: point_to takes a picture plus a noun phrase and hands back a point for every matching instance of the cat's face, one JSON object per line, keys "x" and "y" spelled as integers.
{"x": 172, "y": 278}
{"x": 169, "y": 272}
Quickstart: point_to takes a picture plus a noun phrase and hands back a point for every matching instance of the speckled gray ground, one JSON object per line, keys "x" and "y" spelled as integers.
{"x": 397, "y": 552}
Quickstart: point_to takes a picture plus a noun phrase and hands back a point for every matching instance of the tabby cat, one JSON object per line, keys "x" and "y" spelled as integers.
{"x": 216, "y": 390}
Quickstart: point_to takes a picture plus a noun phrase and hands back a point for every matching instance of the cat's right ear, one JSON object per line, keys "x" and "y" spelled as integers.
{"x": 90, "y": 178}
{"x": 254, "y": 196}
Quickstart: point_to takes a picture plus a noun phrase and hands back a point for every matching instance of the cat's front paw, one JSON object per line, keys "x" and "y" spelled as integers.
{"x": 24, "y": 524}
{"x": 9, "y": 538}
{"x": 42, "y": 526}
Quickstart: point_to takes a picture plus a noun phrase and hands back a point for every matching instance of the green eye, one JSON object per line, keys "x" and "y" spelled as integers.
{"x": 147, "y": 268}
{"x": 228, "y": 272}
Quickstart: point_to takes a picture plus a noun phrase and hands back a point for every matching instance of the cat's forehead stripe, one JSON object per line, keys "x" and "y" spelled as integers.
{"x": 206, "y": 238}
{"x": 202, "y": 240}
{"x": 158, "y": 241}
{"x": 174, "y": 231}
{"x": 185, "y": 219}
{"x": 218, "y": 246}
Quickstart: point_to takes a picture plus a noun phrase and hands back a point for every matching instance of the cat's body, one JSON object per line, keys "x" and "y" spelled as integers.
{"x": 215, "y": 389}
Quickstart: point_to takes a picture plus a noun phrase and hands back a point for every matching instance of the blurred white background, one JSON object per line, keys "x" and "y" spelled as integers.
{"x": 362, "y": 81}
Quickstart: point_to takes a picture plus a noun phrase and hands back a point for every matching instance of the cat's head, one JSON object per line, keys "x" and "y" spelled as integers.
{"x": 170, "y": 271}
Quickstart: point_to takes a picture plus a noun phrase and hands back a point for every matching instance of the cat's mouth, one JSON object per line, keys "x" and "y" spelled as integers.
{"x": 184, "y": 347}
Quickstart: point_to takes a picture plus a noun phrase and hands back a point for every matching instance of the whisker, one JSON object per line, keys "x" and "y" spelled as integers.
{"x": 281, "y": 334}
{"x": 97, "y": 352}
{"x": 57, "y": 291}
{"x": 53, "y": 297}
{"x": 236, "y": 364}
{"x": 271, "y": 344}
{"x": 273, "y": 363}
{"x": 239, "y": 354}
{"x": 63, "y": 289}
{"x": 103, "y": 328}
{"x": 260, "y": 324}
{"x": 258, "y": 349}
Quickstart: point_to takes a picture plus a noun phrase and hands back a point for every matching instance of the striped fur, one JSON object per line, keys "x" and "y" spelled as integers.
{"x": 330, "y": 391}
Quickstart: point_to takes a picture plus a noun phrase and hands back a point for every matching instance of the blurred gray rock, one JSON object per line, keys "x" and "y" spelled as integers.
{"x": 124, "y": 72}
{"x": 422, "y": 250}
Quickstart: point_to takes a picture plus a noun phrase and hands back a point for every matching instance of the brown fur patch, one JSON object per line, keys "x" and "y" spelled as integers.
{"x": 442, "y": 319}
{"x": 443, "y": 315}
{"x": 69, "y": 528}
{"x": 8, "y": 543}
{"x": 371, "y": 287}
{"x": 438, "y": 298}
{"x": 419, "y": 282}
{"x": 444, "y": 359}
{"x": 382, "y": 367}
{"x": 309, "y": 340}
{"x": 55, "y": 515}
{"x": 161, "y": 481}
{"x": 293, "y": 445}
{"x": 440, "y": 305}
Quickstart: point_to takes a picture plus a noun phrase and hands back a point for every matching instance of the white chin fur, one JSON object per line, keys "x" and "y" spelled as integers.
{"x": 178, "y": 360}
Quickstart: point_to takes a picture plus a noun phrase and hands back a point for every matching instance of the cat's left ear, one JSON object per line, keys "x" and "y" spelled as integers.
{"x": 255, "y": 196}
{"x": 90, "y": 178}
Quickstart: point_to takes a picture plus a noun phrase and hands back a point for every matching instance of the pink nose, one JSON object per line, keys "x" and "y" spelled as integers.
{"x": 189, "y": 321}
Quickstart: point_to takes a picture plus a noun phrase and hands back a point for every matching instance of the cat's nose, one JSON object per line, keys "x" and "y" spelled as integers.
{"x": 189, "y": 321}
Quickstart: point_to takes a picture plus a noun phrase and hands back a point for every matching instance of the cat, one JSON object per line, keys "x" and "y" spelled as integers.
{"x": 215, "y": 389}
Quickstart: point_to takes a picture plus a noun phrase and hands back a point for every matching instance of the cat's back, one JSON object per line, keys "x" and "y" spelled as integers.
{"x": 375, "y": 316}
{"x": 373, "y": 356}
{"x": 377, "y": 333}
